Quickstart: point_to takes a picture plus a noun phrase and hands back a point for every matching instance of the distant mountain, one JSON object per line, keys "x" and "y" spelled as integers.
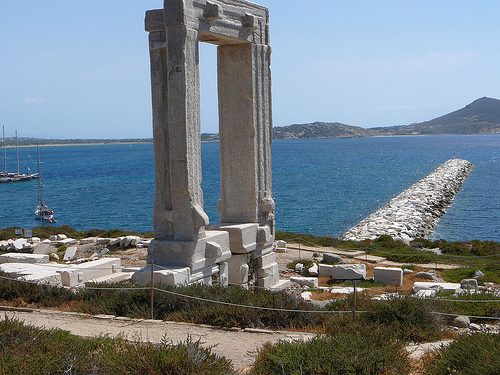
{"x": 320, "y": 130}
{"x": 482, "y": 116}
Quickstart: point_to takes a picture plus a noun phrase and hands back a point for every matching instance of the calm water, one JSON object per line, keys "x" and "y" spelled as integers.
{"x": 321, "y": 186}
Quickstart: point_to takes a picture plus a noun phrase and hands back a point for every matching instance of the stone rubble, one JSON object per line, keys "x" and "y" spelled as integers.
{"x": 414, "y": 212}
{"x": 37, "y": 261}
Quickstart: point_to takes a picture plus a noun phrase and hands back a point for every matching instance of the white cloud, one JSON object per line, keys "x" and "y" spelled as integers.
{"x": 37, "y": 100}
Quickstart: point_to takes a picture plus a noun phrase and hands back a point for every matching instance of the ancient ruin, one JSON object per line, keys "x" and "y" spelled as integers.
{"x": 186, "y": 248}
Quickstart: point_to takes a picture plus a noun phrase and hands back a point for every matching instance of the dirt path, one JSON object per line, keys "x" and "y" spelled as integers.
{"x": 239, "y": 345}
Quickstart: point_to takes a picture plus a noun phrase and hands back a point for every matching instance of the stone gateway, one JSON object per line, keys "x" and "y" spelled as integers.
{"x": 238, "y": 249}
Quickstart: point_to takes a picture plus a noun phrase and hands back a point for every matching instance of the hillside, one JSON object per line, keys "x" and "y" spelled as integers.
{"x": 320, "y": 130}
{"x": 480, "y": 117}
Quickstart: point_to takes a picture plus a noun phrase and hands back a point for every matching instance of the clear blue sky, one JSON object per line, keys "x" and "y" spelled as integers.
{"x": 80, "y": 69}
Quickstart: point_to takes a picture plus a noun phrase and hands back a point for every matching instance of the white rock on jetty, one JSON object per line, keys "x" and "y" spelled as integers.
{"x": 414, "y": 212}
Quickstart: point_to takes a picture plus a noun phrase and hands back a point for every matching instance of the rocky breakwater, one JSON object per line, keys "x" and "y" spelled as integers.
{"x": 414, "y": 212}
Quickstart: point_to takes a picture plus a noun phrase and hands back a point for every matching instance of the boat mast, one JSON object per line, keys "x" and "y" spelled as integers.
{"x": 39, "y": 190}
{"x": 4, "y": 154}
{"x": 17, "y": 155}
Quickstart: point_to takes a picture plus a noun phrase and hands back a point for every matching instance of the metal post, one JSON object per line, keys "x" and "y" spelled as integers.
{"x": 152, "y": 289}
{"x": 354, "y": 303}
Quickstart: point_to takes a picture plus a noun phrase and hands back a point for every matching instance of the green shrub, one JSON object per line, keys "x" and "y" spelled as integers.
{"x": 490, "y": 268}
{"x": 486, "y": 309}
{"x": 369, "y": 351}
{"x": 477, "y": 354}
{"x": 29, "y": 350}
{"x": 410, "y": 317}
{"x": 135, "y": 303}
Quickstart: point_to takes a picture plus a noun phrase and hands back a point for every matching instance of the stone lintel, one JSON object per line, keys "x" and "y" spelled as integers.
{"x": 218, "y": 21}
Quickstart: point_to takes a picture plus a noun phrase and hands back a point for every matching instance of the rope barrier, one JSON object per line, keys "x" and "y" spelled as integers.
{"x": 462, "y": 300}
{"x": 255, "y": 307}
{"x": 271, "y": 308}
{"x": 469, "y": 316}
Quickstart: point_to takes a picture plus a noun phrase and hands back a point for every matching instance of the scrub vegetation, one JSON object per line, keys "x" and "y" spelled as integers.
{"x": 371, "y": 342}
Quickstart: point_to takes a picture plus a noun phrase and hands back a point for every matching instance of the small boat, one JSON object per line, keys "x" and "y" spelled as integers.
{"x": 14, "y": 177}
{"x": 42, "y": 212}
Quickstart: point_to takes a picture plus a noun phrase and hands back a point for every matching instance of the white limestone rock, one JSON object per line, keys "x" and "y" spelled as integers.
{"x": 313, "y": 270}
{"x": 89, "y": 240}
{"x": 170, "y": 276}
{"x": 438, "y": 287}
{"x": 80, "y": 273}
{"x": 349, "y": 272}
{"x": 299, "y": 267}
{"x": 425, "y": 293}
{"x": 70, "y": 253}
{"x": 50, "y": 278}
{"x": 306, "y": 296}
{"x": 268, "y": 270}
{"x": 468, "y": 284}
{"x": 331, "y": 258}
{"x": 474, "y": 327}
{"x": 19, "y": 244}
{"x": 325, "y": 270}
{"x": 388, "y": 276}
{"x": 280, "y": 246}
{"x": 461, "y": 321}
{"x": 24, "y": 258}
{"x": 478, "y": 274}
{"x": 429, "y": 275}
{"x": 311, "y": 282}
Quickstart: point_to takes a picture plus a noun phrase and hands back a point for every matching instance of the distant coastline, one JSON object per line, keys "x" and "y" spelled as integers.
{"x": 30, "y": 142}
{"x": 479, "y": 117}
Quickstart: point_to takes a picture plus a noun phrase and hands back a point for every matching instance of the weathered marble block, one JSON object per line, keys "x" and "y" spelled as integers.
{"x": 80, "y": 273}
{"x": 70, "y": 253}
{"x": 269, "y": 282}
{"x": 311, "y": 282}
{"x": 468, "y": 284}
{"x": 238, "y": 269}
{"x": 268, "y": 270}
{"x": 24, "y": 258}
{"x": 242, "y": 237}
{"x": 349, "y": 272}
{"x": 388, "y": 276}
{"x": 170, "y": 276}
{"x": 325, "y": 270}
{"x": 266, "y": 260}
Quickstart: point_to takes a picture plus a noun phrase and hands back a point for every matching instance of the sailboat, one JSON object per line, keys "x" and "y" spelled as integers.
{"x": 14, "y": 177}
{"x": 42, "y": 212}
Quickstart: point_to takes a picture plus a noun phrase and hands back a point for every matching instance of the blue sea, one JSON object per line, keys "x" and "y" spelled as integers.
{"x": 320, "y": 186}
